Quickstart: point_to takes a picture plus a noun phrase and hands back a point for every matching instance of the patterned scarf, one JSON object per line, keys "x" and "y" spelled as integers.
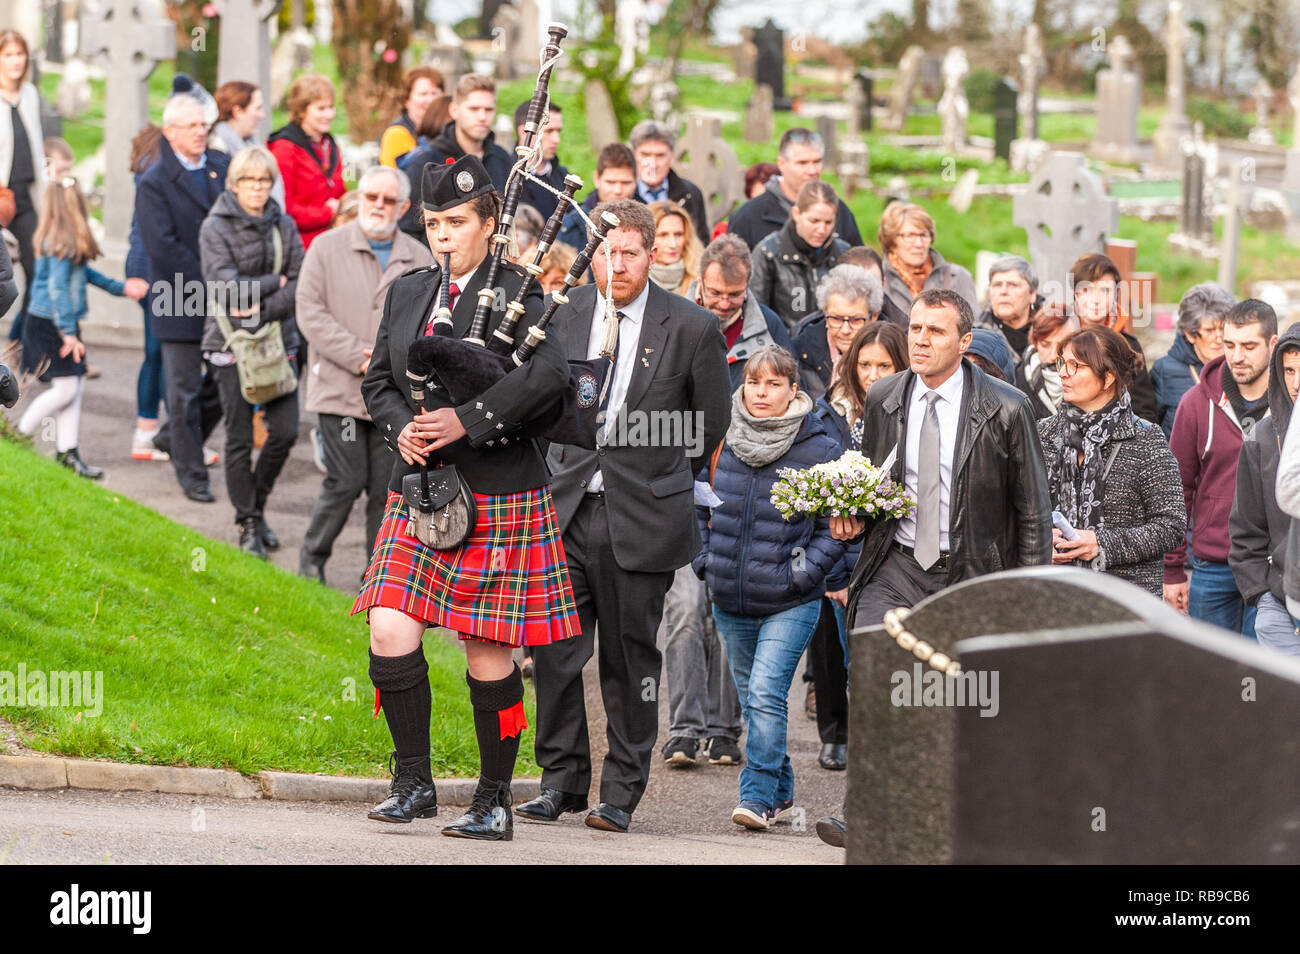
{"x": 1081, "y": 487}
{"x": 914, "y": 278}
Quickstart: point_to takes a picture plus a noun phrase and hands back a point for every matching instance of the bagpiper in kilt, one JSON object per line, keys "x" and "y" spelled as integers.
{"x": 506, "y": 584}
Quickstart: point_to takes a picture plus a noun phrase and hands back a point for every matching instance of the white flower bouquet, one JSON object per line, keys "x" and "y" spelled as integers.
{"x": 849, "y": 486}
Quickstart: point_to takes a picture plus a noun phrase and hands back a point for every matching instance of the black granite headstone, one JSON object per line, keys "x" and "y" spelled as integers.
{"x": 1099, "y": 726}
{"x": 864, "y": 80}
{"x": 769, "y": 67}
{"x": 1006, "y": 117}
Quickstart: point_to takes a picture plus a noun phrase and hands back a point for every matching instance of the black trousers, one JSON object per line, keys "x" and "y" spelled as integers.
{"x": 193, "y": 409}
{"x": 627, "y": 606}
{"x": 357, "y": 461}
{"x": 898, "y": 581}
{"x": 24, "y": 228}
{"x": 247, "y": 483}
{"x": 831, "y": 679}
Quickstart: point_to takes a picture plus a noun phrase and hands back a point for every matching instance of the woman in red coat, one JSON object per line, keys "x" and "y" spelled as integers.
{"x": 308, "y": 156}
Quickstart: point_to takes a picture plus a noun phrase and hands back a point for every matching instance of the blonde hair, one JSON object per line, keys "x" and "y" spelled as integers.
{"x": 251, "y": 159}
{"x": 560, "y": 257}
{"x": 474, "y": 83}
{"x": 895, "y": 217}
{"x": 63, "y": 230}
{"x": 692, "y": 249}
{"x": 307, "y": 89}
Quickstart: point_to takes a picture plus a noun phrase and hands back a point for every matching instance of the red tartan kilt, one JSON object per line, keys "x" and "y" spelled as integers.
{"x": 507, "y": 583}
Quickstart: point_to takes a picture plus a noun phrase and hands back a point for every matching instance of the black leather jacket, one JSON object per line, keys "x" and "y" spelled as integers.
{"x": 1001, "y": 512}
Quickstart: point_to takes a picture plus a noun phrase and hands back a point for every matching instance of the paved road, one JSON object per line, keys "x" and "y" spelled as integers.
{"x": 685, "y": 816}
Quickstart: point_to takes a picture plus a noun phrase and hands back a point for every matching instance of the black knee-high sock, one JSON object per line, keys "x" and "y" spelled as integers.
{"x": 498, "y": 723}
{"x": 403, "y": 684}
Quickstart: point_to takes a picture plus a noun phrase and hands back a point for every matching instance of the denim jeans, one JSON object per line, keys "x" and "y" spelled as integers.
{"x": 702, "y": 701}
{"x": 1213, "y": 598}
{"x": 1275, "y": 627}
{"x": 764, "y": 652}
{"x": 149, "y": 382}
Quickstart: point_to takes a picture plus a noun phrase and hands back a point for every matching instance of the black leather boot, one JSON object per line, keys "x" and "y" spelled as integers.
{"x": 489, "y": 818}
{"x": 72, "y": 460}
{"x": 269, "y": 539}
{"x": 412, "y": 794}
{"x": 250, "y": 541}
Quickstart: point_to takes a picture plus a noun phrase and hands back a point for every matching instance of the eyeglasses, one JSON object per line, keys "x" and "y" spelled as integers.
{"x": 1210, "y": 329}
{"x": 707, "y": 292}
{"x": 373, "y": 197}
{"x": 264, "y": 181}
{"x": 854, "y": 321}
{"x": 913, "y": 236}
{"x": 1068, "y": 367}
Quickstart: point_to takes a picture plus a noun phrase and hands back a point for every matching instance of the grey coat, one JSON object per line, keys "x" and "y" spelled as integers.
{"x": 944, "y": 274}
{"x": 1143, "y": 514}
{"x": 235, "y": 247}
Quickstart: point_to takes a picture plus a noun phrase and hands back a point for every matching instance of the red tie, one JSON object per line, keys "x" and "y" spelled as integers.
{"x": 453, "y": 293}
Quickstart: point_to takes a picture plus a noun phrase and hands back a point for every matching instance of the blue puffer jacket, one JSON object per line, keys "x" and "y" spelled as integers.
{"x": 1173, "y": 376}
{"x": 59, "y": 290}
{"x": 749, "y": 556}
{"x": 835, "y": 424}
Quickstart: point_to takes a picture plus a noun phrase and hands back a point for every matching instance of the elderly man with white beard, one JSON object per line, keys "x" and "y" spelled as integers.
{"x": 341, "y": 292}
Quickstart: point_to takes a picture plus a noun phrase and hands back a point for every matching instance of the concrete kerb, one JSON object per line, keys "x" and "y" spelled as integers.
{"x": 37, "y": 773}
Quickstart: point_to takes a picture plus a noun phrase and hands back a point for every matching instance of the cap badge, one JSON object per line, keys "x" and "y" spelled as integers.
{"x": 465, "y": 180}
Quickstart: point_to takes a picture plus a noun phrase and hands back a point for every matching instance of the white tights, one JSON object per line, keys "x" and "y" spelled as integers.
{"x": 62, "y": 404}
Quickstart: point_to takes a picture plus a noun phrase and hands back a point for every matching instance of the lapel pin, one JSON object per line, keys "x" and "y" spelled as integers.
{"x": 645, "y": 363}
{"x": 649, "y": 350}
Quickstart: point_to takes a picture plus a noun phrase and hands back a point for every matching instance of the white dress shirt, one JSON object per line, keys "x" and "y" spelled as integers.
{"x": 948, "y": 409}
{"x": 629, "y": 338}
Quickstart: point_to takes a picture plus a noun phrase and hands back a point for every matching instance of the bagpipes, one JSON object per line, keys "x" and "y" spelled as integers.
{"x": 468, "y": 367}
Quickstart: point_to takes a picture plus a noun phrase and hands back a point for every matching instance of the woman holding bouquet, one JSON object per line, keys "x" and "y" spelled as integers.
{"x": 767, "y": 575}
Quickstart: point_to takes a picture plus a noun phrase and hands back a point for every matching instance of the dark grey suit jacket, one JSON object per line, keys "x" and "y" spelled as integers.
{"x": 649, "y": 465}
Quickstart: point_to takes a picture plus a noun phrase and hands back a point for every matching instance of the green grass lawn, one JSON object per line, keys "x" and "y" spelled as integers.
{"x": 209, "y": 657}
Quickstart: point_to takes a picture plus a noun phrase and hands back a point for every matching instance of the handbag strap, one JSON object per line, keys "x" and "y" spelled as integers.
{"x": 278, "y": 242}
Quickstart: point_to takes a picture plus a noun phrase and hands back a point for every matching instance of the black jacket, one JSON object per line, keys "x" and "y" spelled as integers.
{"x": 169, "y": 211}
{"x": 786, "y": 272}
{"x": 814, "y": 354}
{"x": 8, "y": 287}
{"x": 1140, "y": 390}
{"x": 235, "y": 247}
{"x": 539, "y": 198}
{"x": 688, "y": 195}
{"x": 509, "y": 465}
{"x": 573, "y": 230}
{"x": 681, "y": 369}
{"x": 496, "y": 161}
{"x": 1258, "y": 529}
{"x": 768, "y": 211}
{"x": 1000, "y": 516}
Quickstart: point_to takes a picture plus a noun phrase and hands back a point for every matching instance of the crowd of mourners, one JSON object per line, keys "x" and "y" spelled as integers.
{"x": 1176, "y": 477}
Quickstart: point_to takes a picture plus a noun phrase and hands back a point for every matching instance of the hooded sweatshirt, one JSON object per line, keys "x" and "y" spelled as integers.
{"x": 1259, "y": 528}
{"x": 1206, "y": 442}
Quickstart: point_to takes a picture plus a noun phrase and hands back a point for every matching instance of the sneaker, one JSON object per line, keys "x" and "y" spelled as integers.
{"x": 751, "y": 815}
{"x": 142, "y": 447}
{"x": 723, "y": 751}
{"x": 318, "y": 451}
{"x": 210, "y": 457}
{"x": 781, "y": 811}
{"x": 680, "y": 751}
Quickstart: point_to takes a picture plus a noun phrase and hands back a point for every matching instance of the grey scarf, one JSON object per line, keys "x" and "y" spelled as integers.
{"x": 668, "y": 277}
{"x": 757, "y": 441}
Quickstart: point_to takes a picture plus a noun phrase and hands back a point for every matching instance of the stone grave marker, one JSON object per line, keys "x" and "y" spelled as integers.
{"x": 1261, "y": 134}
{"x": 858, "y": 96}
{"x": 131, "y": 37}
{"x": 1118, "y": 97}
{"x": 769, "y": 64}
{"x": 292, "y": 55}
{"x": 1006, "y": 117}
{"x": 826, "y": 129}
{"x": 1065, "y": 213}
{"x": 1232, "y": 226}
{"x": 900, "y": 96}
{"x": 1291, "y": 176}
{"x": 72, "y": 98}
{"x": 705, "y": 158}
{"x": 245, "y": 49}
{"x": 1089, "y": 724}
{"x": 954, "y": 110}
{"x": 963, "y": 194}
{"x": 632, "y": 32}
{"x": 744, "y": 54}
{"x": 1195, "y": 216}
{"x": 1032, "y": 63}
{"x": 760, "y": 123}
{"x": 1173, "y": 124}
{"x": 602, "y": 124}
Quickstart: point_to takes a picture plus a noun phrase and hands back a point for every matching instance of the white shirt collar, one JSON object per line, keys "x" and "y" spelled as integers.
{"x": 949, "y": 391}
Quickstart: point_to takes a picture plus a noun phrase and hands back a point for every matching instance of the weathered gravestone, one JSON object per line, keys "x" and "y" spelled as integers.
{"x": 602, "y": 124}
{"x": 1261, "y": 134}
{"x": 1119, "y": 93}
{"x": 826, "y": 129}
{"x": 858, "y": 96}
{"x": 1065, "y": 213}
{"x": 769, "y": 64}
{"x": 1089, "y": 723}
{"x": 744, "y": 54}
{"x": 705, "y": 158}
{"x": 760, "y": 123}
{"x": 1195, "y": 216}
{"x": 1232, "y": 225}
{"x": 72, "y": 97}
{"x": 292, "y": 55}
{"x": 954, "y": 110}
{"x": 900, "y": 96}
{"x": 132, "y": 37}
{"x": 244, "y": 52}
{"x": 1006, "y": 117}
{"x": 1291, "y": 177}
{"x": 1173, "y": 124}
{"x": 1032, "y": 64}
